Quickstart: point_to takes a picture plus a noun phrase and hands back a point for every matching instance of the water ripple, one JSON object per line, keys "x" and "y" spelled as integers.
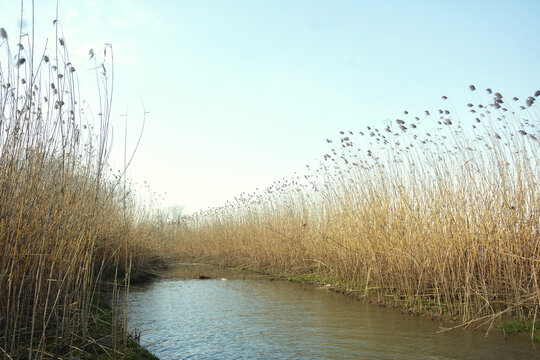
{"x": 253, "y": 319}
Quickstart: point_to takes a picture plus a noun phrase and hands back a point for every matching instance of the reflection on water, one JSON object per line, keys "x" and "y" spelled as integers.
{"x": 261, "y": 319}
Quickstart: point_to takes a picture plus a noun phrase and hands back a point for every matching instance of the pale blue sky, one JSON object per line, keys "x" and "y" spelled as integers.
{"x": 242, "y": 93}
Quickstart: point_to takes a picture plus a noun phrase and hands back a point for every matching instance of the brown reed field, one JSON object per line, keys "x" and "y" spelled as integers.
{"x": 68, "y": 224}
{"x": 435, "y": 214}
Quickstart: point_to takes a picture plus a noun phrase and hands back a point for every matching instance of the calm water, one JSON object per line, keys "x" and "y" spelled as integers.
{"x": 250, "y": 317}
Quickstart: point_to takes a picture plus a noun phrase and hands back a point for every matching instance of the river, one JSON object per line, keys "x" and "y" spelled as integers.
{"x": 248, "y": 316}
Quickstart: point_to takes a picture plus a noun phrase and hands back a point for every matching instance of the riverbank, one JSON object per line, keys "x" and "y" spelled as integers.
{"x": 109, "y": 340}
{"x": 508, "y": 326}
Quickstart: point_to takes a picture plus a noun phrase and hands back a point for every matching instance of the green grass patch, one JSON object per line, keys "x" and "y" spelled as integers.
{"x": 309, "y": 278}
{"x": 521, "y": 327}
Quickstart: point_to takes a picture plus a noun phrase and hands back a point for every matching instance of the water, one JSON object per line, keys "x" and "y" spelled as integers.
{"x": 250, "y": 317}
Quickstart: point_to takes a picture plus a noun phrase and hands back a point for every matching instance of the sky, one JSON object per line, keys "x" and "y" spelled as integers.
{"x": 240, "y": 94}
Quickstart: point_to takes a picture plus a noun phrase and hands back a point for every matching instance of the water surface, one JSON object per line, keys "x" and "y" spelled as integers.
{"x": 250, "y": 317}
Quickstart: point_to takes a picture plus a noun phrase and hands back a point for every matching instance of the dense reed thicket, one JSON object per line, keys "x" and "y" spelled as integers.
{"x": 432, "y": 213}
{"x": 66, "y": 220}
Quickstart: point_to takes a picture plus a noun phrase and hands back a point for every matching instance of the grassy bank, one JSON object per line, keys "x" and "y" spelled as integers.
{"x": 104, "y": 339}
{"x": 431, "y": 213}
{"x": 66, "y": 220}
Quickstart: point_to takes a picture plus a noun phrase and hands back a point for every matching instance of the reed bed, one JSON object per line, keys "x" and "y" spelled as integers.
{"x": 66, "y": 220}
{"x": 435, "y": 214}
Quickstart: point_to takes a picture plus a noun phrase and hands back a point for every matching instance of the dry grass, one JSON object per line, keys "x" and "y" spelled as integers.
{"x": 66, "y": 220}
{"x": 431, "y": 214}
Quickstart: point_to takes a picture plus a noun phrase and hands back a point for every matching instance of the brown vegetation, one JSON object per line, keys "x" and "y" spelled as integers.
{"x": 432, "y": 214}
{"x": 66, "y": 221}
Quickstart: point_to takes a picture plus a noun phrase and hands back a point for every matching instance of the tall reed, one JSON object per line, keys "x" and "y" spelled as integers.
{"x": 66, "y": 221}
{"x": 427, "y": 213}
